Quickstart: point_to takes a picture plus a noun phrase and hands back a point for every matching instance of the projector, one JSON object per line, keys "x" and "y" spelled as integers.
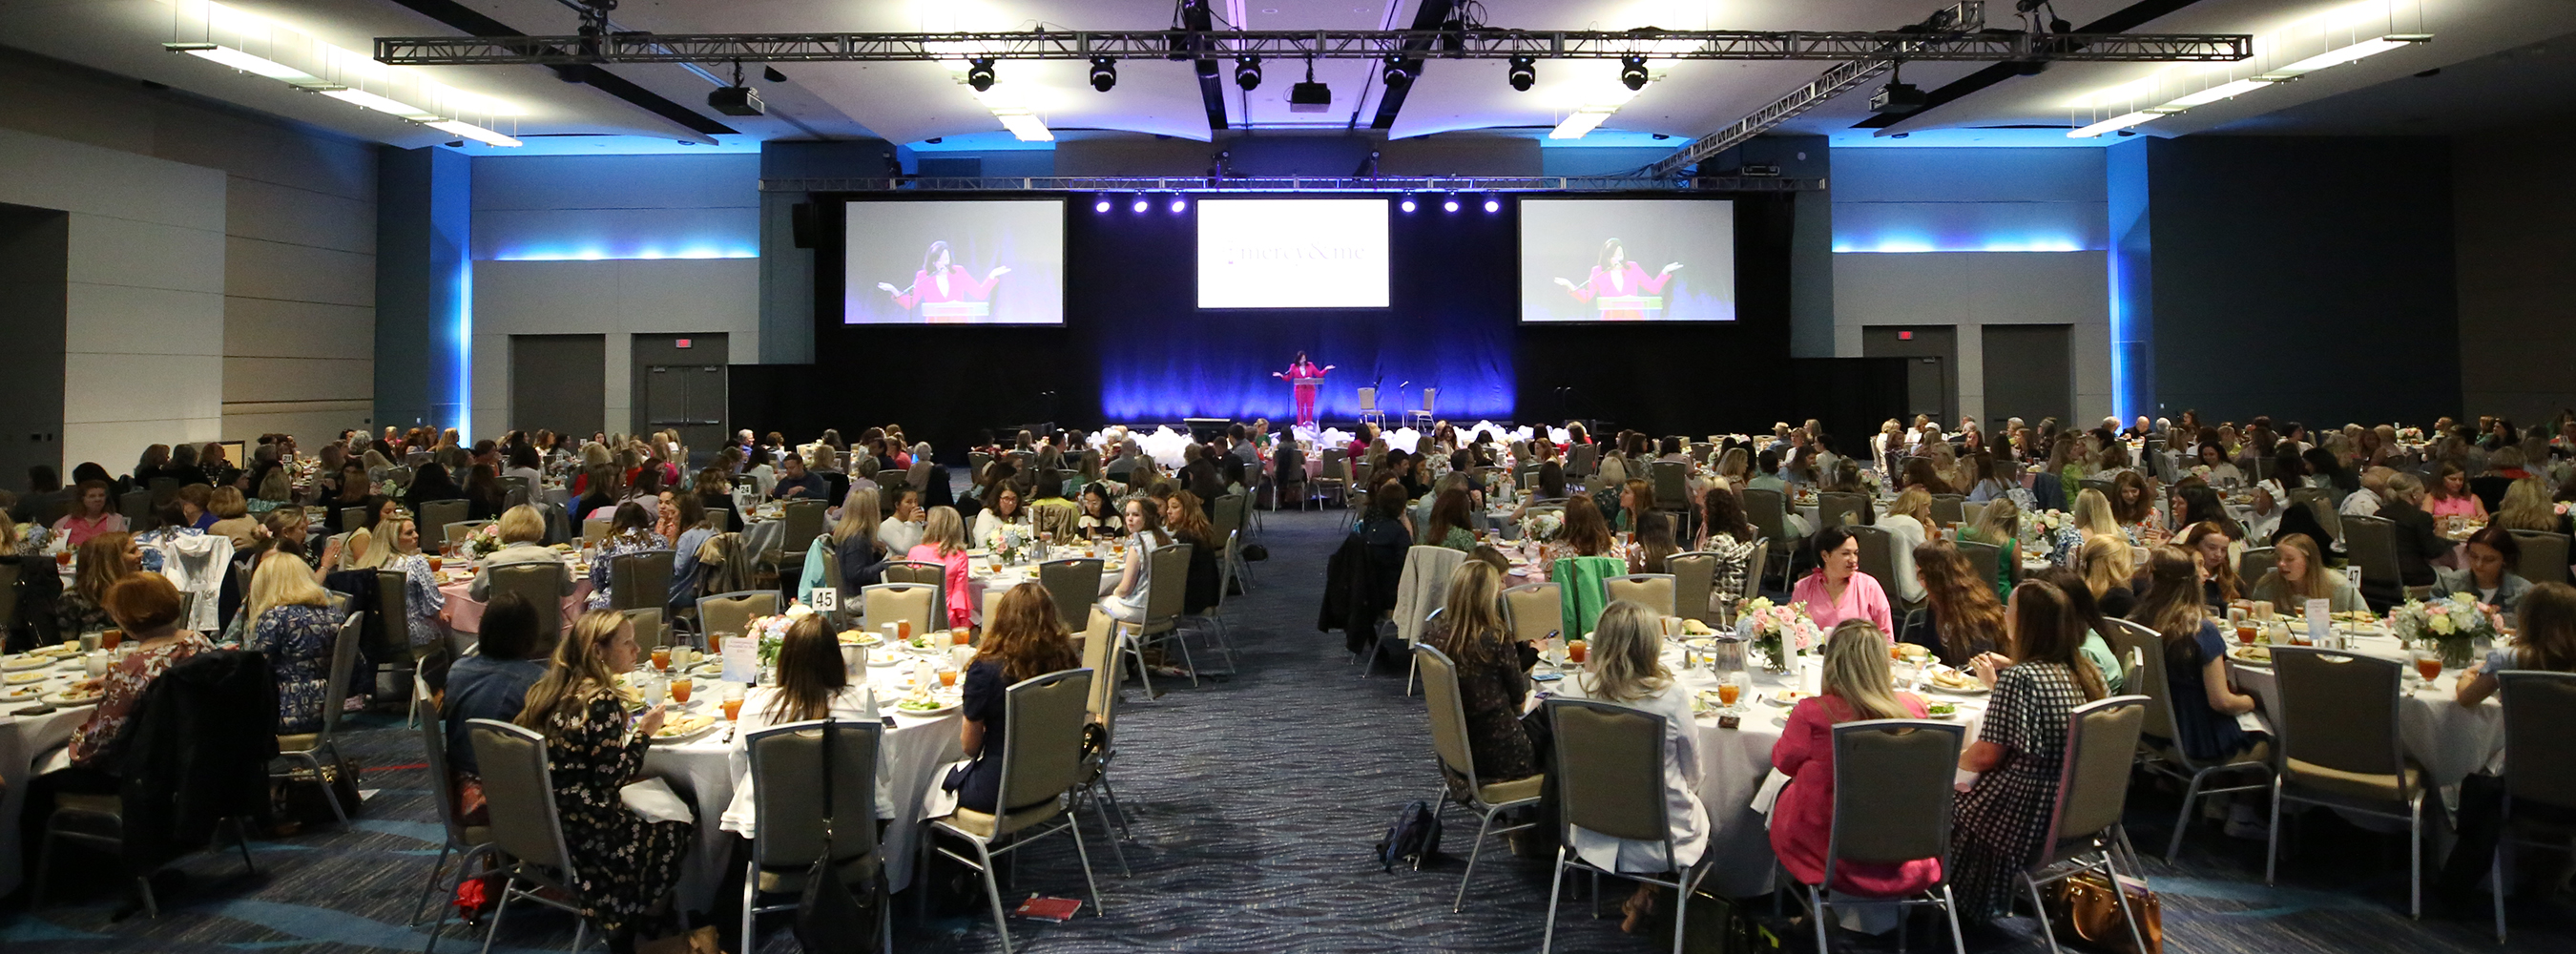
{"x": 1310, "y": 97}
{"x": 735, "y": 101}
{"x": 1896, "y": 98}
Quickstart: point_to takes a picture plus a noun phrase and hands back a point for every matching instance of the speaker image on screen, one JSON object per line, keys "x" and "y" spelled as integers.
{"x": 1627, "y": 260}
{"x": 965, "y": 262}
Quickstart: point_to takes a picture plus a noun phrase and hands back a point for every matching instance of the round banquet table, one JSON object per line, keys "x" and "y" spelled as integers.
{"x": 1735, "y": 762}
{"x": 2449, "y": 740}
{"x": 23, "y": 738}
{"x": 986, "y": 580}
{"x": 912, "y": 758}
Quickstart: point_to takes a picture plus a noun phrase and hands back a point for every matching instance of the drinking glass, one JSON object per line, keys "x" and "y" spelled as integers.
{"x": 680, "y": 689}
{"x": 1727, "y": 692}
{"x": 947, "y": 678}
{"x": 109, "y": 639}
{"x": 732, "y": 707}
{"x": 1576, "y": 650}
{"x": 2428, "y": 664}
{"x": 962, "y": 636}
{"x": 662, "y": 658}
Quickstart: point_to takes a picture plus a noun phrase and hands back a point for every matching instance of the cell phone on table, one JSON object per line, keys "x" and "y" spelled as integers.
{"x": 1547, "y": 677}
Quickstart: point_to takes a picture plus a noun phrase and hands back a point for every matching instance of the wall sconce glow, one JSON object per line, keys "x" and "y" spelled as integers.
{"x": 2347, "y": 54}
{"x": 236, "y": 59}
{"x": 2122, "y": 121}
{"x": 474, "y": 132}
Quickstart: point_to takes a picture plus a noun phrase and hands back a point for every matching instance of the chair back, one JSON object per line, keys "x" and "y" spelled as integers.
{"x": 2542, "y": 557}
{"x": 787, "y": 792}
{"x": 439, "y": 513}
{"x": 1100, "y": 655}
{"x": 976, "y": 462}
{"x": 641, "y": 579}
{"x": 1985, "y": 558}
{"x": 2257, "y": 561}
{"x": 442, "y": 793}
{"x": 1755, "y": 565}
{"x": 1767, "y": 511}
{"x": 1229, "y": 509}
{"x": 1610, "y": 769}
{"x": 518, "y": 490}
{"x": 1582, "y": 461}
{"x": 351, "y": 518}
{"x": 1969, "y": 512}
{"x": 2538, "y": 708}
{"x": 1841, "y": 508}
{"x": 1671, "y": 484}
{"x": 401, "y": 475}
{"x": 1056, "y": 523}
{"x": 918, "y": 477}
{"x": 718, "y": 519}
{"x": 2338, "y": 713}
{"x": 136, "y": 506}
{"x": 393, "y": 617}
{"x": 650, "y": 633}
{"x": 884, "y": 603}
{"x": 519, "y": 786}
{"x": 2371, "y": 542}
{"x": 344, "y": 663}
{"x": 1694, "y": 578}
{"x": 914, "y": 571}
{"x": 1903, "y": 813}
{"x": 1448, "y": 719}
{"x": 1042, "y": 738}
{"x": 164, "y": 490}
{"x": 733, "y": 612}
{"x": 804, "y": 521}
{"x": 454, "y": 533}
{"x": 1289, "y": 465}
{"x": 2129, "y": 638}
{"x": 1074, "y": 584}
{"x": 1654, "y": 591}
{"x": 594, "y": 530}
{"x": 2096, "y": 483}
{"x": 1167, "y": 592}
{"x": 1534, "y": 609}
{"x": 1950, "y": 508}
{"x": 2093, "y": 781}
{"x": 1877, "y": 556}
{"x": 1368, "y": 400}
{"x": 542, "y": 585}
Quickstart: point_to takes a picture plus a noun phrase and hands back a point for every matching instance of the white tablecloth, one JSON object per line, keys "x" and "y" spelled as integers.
{"x": 22, "y": 739}
{"x": 913, "y": 757}
{"x": 2449, "y": 740}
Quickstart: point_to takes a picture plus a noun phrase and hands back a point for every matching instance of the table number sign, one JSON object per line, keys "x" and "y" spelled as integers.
{"x": 741, "y": 659}
{"x": 2320, "y": 621}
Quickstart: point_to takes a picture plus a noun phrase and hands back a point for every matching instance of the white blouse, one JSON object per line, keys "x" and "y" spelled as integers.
{"x": 853, "y": 704}
{"x": 1688, "y": 818}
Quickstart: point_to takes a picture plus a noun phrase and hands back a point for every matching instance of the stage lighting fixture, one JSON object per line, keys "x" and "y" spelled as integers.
{"x": 1180, "y": 205}
{"x": 1524, "y": 73}
{"x": 1104, "y": 73}
{"x": 735, "y": 101}
{"x": 1398, "y": 71}
{"x": 1632, "y": 71}
{"x": 1897, "y": 98}
{"x": 1493, "y": 205}
{"x": 1450, "y": 204}
{"x": 1407, "y": 204}
{"x": 1247, "y": 73}
{"x": 1101, "y": 206}
{"x": 979, "y": 73}
{"x": 1139, "y": 207}
{"x": 1310, "y": 96}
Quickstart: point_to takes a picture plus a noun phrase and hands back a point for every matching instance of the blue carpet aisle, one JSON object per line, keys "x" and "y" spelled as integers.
{"x": 1254, "y": 801}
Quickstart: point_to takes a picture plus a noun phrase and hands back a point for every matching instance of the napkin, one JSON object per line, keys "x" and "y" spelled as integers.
{"x": 1769, "y": 793}
{"x": 654, "y": 799}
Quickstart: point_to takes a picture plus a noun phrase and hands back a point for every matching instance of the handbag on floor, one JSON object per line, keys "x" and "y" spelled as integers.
{"x": 2085, "y": 905}
{"x": 829, "y": 916}
{"x": 1413, "y": 840}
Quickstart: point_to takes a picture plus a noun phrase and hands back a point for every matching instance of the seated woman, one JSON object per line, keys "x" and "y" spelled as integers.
{"x": 1026, "y": 640}
{"x": 622, "y": 865}
{"x": 943, "y": 541}
{"x": 523, "y": 534}
{"x": 1099, "y": 520}
{"x": 1654, "y": 543}
{"x": 1550, "y": 490}
{"x": 1961, "y": 618}
{"x": 854, "y": 541}
{"x": 2448, "y": 495}
{"x": 146, "y": 607}
{"x": 630, "y": 531}
{"x": 1493, "y": 675}
{"x": 2546, "y": 642}
{"x": 490, "y": 683}
{"x": 2002, "y": 821}
{"x": 1999, "y": 524}
{"x": 2527, "y": 507}
{"x": 1636, "y": 496}
{"x": 1001, "y": 506}
{"x": 2215, "y": 551}
{"x": 104, "y": 560}
{"x": 1908, "y": 524}
{"x": 1990, "y": 483}
{"x": 293, "y": 624}
{"x": 232, "y": 517}
{"x": 2109, "y": 571}
{"x": 2097, "y": 644}
{"x": 1802, "y": 820}
{"x": 1626, "y": 667}
{"x": 92, "y": 513}
{"x": 1837, "y": 590}
{"x": 2299, "y": 574}
{"x": 1452, "y": 520}
{"x": 2221, "y": 471}
{"x": 1724, "y": 531}
{"x": 2492, "y": 551}
{"x": 2204, "y": 706}
{"x": 813, "y": 683}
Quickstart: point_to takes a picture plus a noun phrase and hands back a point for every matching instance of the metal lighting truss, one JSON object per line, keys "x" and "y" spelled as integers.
{"x": 1085, "y": 45}
{"x": 1426, "y": 186}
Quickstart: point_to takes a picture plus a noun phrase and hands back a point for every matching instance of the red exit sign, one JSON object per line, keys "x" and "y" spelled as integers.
{"x": 684, "y": 342}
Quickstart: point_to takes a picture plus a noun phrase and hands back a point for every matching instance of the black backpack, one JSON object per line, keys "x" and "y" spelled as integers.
{"x": 1412, "y": 840}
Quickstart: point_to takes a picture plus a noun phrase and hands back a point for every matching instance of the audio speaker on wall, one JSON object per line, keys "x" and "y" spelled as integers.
{"x": 805, "y": 219}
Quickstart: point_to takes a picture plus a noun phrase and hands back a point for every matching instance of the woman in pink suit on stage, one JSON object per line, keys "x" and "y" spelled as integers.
{"x": 1614, "y": 275}
{"x": 942, "y": 280}
{"x": 1302, "y": 376}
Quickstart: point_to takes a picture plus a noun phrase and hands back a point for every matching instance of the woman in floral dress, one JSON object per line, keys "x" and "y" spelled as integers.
{"x": 421, "y": 595}
{"x": 2020, "y": 749}
{"x": 630, "y": 532}
{"x": 295, "y": 628}
{"x": 623, "y": 866}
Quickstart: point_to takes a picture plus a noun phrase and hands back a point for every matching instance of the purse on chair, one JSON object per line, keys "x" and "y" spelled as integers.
{"x": 2085, "y": 904}
{"x": 829, "y": 916}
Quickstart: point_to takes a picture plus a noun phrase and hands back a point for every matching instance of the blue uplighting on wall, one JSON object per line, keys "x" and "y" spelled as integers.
{"x": 1910, "y": 243}
{"x": 464, "y": 422}
{"x": 594, "y": 254}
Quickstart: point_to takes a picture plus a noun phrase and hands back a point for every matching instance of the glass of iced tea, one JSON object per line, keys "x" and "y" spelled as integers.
{"x": 2245, "y": 632}
{"x": 109, "y": 639}
{"x": 2428, "y": 664}
{"x": 948, "y": 678}
{"x": 733, "y": 708}
{"x": 662, "y": 658}
{"x": 902, "y": 629}
{"x": 1576, "y": 650}
{"x": 435, "y": 562}
{"x": 63, "y": 559}
{"x": 680, "y": 689}
{"x": 1727, "y": 691}
{"x": 962, "y": 635}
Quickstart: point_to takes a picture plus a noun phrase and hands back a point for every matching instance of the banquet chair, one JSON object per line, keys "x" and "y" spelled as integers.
{"x": 1288, "y": 477}
{"x": 527, "y": 829}
{"x": 730, "y": 614}
{"x": 804, "y": 522}
{"x": 594, "y": 530}
{"x": 2084, "y": 830}
{"x": 394, "y": 652}
{"x": 1369, "y": 411}
{"x": 519, "y": 490}
{"x": 468, "y": 843}
{"x": 1582, "y": 462}
{"x": 1336, "y": 479}
{"x": 1231, "y": 510}
{"x": 400, "y": 475}
{"x": 1421, "y": 418}
{"x": 439, "y": 513}
{"x": 1671, "y": 482}
{"x": 2541, "y": 769}
{"x": 2371, "y": 542}
{"x": 2144, "y": 649}
{"x": 1694, "y": 577}
{"x": 1836, "y": 509}
{"x": 1950, "y": 509}
{"x": 1074, "y": 584}
{"x": 1982, "y": 556}
{"x": 1459, "y": 783}
{"x": 543, "y": 586}
{"x": 1101, "y": 656}
{"x": 1610, "y": 780}
{"x": 2255, "y": 562}
{"x": 1768, "y": 512}
{"x": 2340, "y": 748}
{"x": 891, "y": 602}
{"x": 351, "y": 518}
{"x": 640, "y": 579}
{"x": 2102, "y": 484}
{"x": 308, "y": 748}
{"x": 650, "y": 632}
{"x": 163, "y": 489}
{"x": 1755, "y": 565}
{"x": 1166, "y": 590}
{"x": 1533, "y": 610}
{"x": 2543, "y": 557}
{"x": 1878, "y": 559}
{"x": 1655, "y": 591}
{"x": 793, "y": 831}
{"x": 920, "y": 571}
{"x": 1969, "y": 512}
{"x": 1902, "y": 815}
{"x": 136, "y": 506}
{"x": 1220, "y": 636}
{"x": 454, "y": 533}
{"x": 976, "y": 462}
{"x": 2320, "y": 501}
{"x": 1420, "y": 591}
{"x": 99, "y": 821}
{"x": 1041, "y": 758}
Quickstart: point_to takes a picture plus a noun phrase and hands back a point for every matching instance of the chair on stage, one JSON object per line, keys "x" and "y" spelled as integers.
{"x": 1420, "y": 418}
{"x": 1369, "y": 411}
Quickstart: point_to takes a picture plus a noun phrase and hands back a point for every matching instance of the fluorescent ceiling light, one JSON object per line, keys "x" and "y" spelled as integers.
{"x": 474, "y": 132}
{"x": 1578, "y": 123}
{"x": 2122, "y": 121}
{"x": 2346, "y": 54}
{"x": 236, "y": 59}
{"x": 2219, "y": 92}
{"x": 380, "y": 104}
{"x": 1026, "y": 127}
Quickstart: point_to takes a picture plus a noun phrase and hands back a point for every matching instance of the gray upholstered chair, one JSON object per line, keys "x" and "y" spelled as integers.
{"x": 1951, "y": 509}
{"x": 466, "y": 842}
{"x": 2371, "y": 542}
{"x": 439, "y": 513}
{"x": 787, "y": 797}
{"x": 1074, "y": 584}
{"x": 1902, "y": 815}
{"x": 2254, "y": 562}
{"x": 1833, "y": 508}
{"x": 544, "y": 585}
{"x": 454, "y": 532}
{"x": 2141, "y": 647}
{"x": 1534, "y": 610}
{"x": 1610, "y": 780}
{"x": 2543, "y": 556}
{"x": 1694, "y": 578}
{"x": 527, "y": 830}
{"x": 1041, "y": 754}
{"x": 308, "y": 748}
{"x": 733, "y": 612}
{"x": 1460, "y": 785}
{"x": 2340, "y": 748}
{"x": 1101, "y": 656}
{"x": 1166, "y": 589}
{"x": 2084, "y": 831}
{"x": 1654, "y": 591}
{"x": 883, "y": 603}
{"x": 2538, "y": 708}
{"x": 640, "y": 580}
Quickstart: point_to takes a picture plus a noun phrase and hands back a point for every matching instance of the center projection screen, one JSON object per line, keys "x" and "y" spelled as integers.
{"x": 1292, "y": 253}
{"x": 1627, "y": 260}
{"x": 980, "y": 262}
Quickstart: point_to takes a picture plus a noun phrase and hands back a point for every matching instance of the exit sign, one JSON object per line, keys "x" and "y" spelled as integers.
{"x": 684, "y": 342}
{"x": 1900, "y": 336}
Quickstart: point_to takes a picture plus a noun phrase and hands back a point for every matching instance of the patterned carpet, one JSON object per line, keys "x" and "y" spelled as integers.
{"x": 1255, "y": 803}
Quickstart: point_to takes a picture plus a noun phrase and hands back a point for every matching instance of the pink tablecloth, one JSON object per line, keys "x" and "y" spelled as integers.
{"x": 466, "y": 616}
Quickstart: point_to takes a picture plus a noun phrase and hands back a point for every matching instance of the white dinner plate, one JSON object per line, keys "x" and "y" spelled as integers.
{"x": 692, "y": 735}
{"x": 944, "y": 709}
{"x": 59, "y": 699}
{"x": 24, "y": 663}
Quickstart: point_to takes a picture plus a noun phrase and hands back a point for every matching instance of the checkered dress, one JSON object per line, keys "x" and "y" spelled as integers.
{"x": 2003, "y": 820}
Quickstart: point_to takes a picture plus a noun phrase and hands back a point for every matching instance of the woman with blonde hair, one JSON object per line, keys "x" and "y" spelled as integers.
{"x": 2094, "y": 516}
{"x": 943, "y": 541}
{"x": 2299, "y": 574}
{"x": 2527, "y": 507}
{"x": 854, "y": 540}
{"x": 293, "y": 625}
{"x": 1856, "y": 688}
{"x": 1626, "y": 668}
{"x": 1908, "y": 525}
{"x": 523, "y": 532}
{"x": 2108, "y": 565}
{"x": 421, "y": 595}
{"x": 1025, "y": 639}
{"x": 622, "y": 865}
{"x": 1961, "y": 617}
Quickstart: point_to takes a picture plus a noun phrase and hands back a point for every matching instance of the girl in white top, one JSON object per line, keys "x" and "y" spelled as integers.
{"x": 812, "y": 683}
{"x": 902, "y": 531}
{"x": 1627, "y": 668}
{"x": 1126, "y": 601}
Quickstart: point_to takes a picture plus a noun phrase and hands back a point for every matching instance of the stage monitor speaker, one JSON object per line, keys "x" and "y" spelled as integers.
{"x": 805, "y": 219}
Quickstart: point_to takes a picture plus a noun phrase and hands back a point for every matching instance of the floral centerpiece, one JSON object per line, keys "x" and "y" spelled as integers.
{"x": 1778, "y": 630}
{"x": 2410, "y": 435}
{"x": 483, "y": 541}
{"x": 1875, "y": 481}
{"x": 1540, "y": 526}
{"x": 1010, "y": 542}
{"x": 2040, "y": 530}
{"x": 2450, "y": 626}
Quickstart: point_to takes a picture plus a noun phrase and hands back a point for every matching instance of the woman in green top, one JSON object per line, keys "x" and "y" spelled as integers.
{"x": 1999, "y": 525}
{"x": 1452, "y": 522}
